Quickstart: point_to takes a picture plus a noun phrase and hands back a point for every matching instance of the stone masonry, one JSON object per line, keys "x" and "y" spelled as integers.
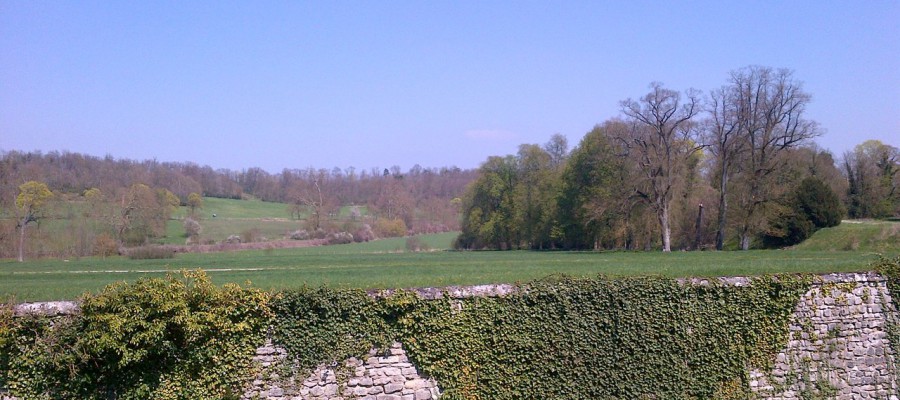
{"x": 838, "y": 345}
{"x": 380, "y": 377}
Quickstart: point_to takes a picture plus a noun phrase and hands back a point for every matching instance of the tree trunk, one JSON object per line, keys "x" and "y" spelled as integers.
{"x": 723, "y": 208}
{"x": 664, "y": 224}
{"x": 22, "y": 240}
{"x": 698, "y": 229}
{"x": 745, "y": 240}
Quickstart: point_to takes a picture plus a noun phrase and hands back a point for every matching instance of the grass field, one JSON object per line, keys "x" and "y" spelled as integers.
{"x": 234, "y": 217}
{"x": 384, "y": 264}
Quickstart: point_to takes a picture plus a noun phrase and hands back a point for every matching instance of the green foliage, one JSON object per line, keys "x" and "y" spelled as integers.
{"x": 819, "y": 203}
{"x": 150, "y": 253}
{"x": 387, "y": 228}
{"x": 172, "y": 338}
{"x": 325, "y": 326}
{"x": 561, "y": 337}
{"x": 813, "y": 205}
{"x": 787, "y": 229}
{"x": 32, "y": 196}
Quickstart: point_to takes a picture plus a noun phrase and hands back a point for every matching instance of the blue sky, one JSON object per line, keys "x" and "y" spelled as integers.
{"x": 436, "y": 83}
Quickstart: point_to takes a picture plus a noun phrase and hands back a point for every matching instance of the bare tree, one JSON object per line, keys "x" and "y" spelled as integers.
{"x": 770, "y": 118}
{"x": 661, "y": 139}
{"x": 723, "y": 136}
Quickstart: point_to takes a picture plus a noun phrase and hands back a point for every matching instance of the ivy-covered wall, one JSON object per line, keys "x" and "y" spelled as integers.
{"x": 557, "y": 338}
{"x": 561, "y": 337}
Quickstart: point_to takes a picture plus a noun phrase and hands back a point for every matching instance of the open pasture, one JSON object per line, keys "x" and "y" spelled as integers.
{"x": 385, "y": 264}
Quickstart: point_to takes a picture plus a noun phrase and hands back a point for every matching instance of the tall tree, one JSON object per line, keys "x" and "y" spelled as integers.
{"x": 489, "y": 207}
{"x": 723, "y": 135}
{"x": 593, "y": 201}
{"x": 874, "y": 182}
{"x": 661, "y": 139}
{"x": 770, "y": 117}
{"x": 32, "y": 197}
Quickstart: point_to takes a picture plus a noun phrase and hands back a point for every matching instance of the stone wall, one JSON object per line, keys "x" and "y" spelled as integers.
{"x": 838, "y": 348}
{"x": 388, "y": 376}
{"x": 838, "y": 345}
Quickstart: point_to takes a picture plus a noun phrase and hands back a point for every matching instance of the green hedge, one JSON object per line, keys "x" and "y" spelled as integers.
{"x": 560, "y": 338}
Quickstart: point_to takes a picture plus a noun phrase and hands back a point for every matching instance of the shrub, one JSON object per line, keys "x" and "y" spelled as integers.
{"x": 364, "y": 234}
{"x": 105, "y": 245}
{"x": 150, "y": 253}
{"x": 414, "y": 243}
{"x": 339, "y": 238}
{"x": 819, "y": 203}
{"x": 192, "y": 227}
{"x": 386, "y": 228}
{"x": 301, "y": 234}
{"x": 250, "y": 235}
{"x": 158, "y": 338}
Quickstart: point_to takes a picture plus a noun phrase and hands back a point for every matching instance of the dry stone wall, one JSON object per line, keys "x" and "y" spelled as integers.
{"x": 387, "y": 376}
{"x": 838, "y": 345}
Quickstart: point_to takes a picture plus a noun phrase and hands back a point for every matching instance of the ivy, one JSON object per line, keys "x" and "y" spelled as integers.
{"x": 561, "y": 337}
{"x": 172, "y": 338}
{"x": 890, "y": 269}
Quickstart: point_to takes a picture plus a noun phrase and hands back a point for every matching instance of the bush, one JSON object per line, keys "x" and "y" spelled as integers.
{"x": 364, "y": 234}
{"x": 386, "y": 228}
{"x": 150, "y": 253}
{"x": 105, "y": 245}
{"x": 301, "y": 234}
{"x": 192, "y": 228}
{"x": 414, "y": 243}
{"x": 178, "y": 337}
{"x": 339, "y": 238}
{"x": 250, "y": 235}
{"x": 819, "y": 203}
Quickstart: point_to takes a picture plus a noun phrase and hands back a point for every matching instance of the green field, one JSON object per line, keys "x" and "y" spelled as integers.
{"x": 385, "y": 264}
{"x": 235, "y": 217}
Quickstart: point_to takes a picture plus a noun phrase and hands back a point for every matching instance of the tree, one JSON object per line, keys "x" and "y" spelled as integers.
{"x": 143, "y": 213}
{"x": 32, "y": 197}
{"x": 874, "y": 183}
{"x": 723, "y": 132}
{"x": 811, "y": 206}
{"x": 195, "y": 201}
{"x": 558, "y": 149}
{"x": 770, "y": 107}
{"x": 661, "y": 139}
{"x": 489, "y": 207}
{"x": 592, "y": 200}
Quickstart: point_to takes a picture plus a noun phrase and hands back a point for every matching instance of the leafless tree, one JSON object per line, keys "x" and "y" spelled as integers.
{"x": 723, "y": 136}
{"x": 770, "y": 106}
{"x": 662, "y": 137}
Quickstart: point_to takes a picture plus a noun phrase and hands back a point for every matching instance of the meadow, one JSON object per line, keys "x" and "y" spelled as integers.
{"x": 386, "y": 264}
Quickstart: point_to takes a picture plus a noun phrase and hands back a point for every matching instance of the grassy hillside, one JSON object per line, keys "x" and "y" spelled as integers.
{"x": 236, "y": 217}
{"x": 856, "y": 235}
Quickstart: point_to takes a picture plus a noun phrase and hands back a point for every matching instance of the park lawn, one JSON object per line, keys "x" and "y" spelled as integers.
{"x": 384, "y": 264}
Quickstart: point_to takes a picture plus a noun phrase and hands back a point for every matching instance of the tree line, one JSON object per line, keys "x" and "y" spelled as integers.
{"x": 733, "y": 168}
{"x": 106, "y": 202}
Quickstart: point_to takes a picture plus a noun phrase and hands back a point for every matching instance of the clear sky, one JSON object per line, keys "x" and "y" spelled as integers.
{"x": 438, "y": 83}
